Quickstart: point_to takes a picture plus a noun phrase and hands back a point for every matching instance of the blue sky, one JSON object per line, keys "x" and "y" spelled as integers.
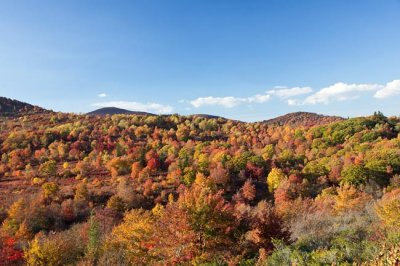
{"x": 248, "y": 60}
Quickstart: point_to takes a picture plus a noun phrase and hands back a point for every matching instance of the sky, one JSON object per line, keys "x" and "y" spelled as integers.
{"x": 246, "y": 60}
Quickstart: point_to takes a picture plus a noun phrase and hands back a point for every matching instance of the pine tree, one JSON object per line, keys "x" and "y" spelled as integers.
{"x": 93, "y": 245}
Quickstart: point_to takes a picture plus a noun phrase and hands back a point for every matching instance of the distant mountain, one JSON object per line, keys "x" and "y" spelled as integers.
{"x": 116, "y": 111}
{"x": 303, "y": 119}
{"x": 10, "y": 107}
{"x": 207, "y": 116}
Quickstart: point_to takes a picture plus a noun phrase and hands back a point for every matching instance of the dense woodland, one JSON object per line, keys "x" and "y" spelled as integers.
{"x": 192, "y": 190}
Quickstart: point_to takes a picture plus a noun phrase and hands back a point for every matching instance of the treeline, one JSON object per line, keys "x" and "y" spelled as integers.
{"x": 176, "y": 190}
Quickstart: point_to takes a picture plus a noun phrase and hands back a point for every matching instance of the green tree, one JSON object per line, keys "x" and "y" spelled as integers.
{"x": 355, "y": 175}
{"x": 93, "y": 245}
{"x": 48, "y": 169}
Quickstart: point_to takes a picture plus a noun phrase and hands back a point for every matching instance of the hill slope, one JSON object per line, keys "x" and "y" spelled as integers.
{"x": 207, "y": 116}
{"x": 10, "y": 107}
{"x": 303, "y": 119}
{"x": 83, "y": 177}
{"x": 116, "y": 111}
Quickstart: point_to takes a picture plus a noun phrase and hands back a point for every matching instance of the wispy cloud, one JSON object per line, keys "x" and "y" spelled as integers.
{"x": 102, "y": 95}
{"x": 137, "y": 106}
{"x": 229, "y": 101}
{"x": 284, "y": 93}
{"x": 391, "y": 88}
{"x": 293, "y": 102}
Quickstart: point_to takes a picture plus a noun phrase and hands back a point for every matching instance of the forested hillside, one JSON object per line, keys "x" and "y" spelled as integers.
{"x": 197, "y": 190}
{"x": 116, "y": 111}
{"x": 302, "y": 119}
{"x": 9, "y": 107}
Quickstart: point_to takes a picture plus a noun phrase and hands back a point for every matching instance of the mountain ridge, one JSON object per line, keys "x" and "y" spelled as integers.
{"x": 303, "y": 119}
{"x": 117, "y": 111}
{"x": 11, "y": 107}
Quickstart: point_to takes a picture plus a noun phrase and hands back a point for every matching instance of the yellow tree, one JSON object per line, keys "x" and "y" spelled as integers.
{"x": 82, "y": 192}
{"x": 388, "y": 209}
{"x": 62, "y": 248}
{"x": 132, "y": 236}
{"x": 275, "y": 178}
{"x": 50, "y": 189}
{"x": 15, "y": 216}
{"x": 268, "y": 152}
{"x": 349, "y": 198}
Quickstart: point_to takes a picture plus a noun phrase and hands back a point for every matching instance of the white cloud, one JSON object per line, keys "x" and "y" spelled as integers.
{"x": 391, "y": 88}
{"x": 289, "y": 92}
{"x": 259, "y": 98}
{"x": 280, "y": 87}
{"x": 102, "y": 95}
{"x": 293, "y": 102}
{"x": 336, "y": 92}
{"x": 136, "y": 106}
{"x": 229, "y": 101}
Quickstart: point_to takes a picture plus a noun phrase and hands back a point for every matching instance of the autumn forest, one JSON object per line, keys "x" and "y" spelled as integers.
{"x": 198, "y": 190}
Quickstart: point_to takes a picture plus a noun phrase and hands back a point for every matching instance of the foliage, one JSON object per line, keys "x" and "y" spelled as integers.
{"x": 50, "y": 189}
{"x": 355, "y": 175}
{"x": 388, "y": 209}
{"x": 9, "y": 252}
{"x": 132, "y": 237}
{"x": 78, "y": 189}
{"x": 56, "y": 249}
{"x": 275, "y": 178}
{"x": 48, "y": 169}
